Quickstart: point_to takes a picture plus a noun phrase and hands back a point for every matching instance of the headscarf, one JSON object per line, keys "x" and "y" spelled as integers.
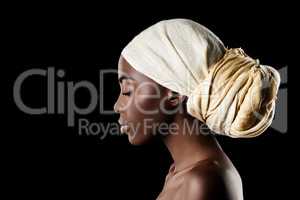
{"x": 227, "y": 90}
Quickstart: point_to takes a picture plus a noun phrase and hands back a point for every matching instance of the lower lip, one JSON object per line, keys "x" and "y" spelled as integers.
{"x": 124, "y": 128}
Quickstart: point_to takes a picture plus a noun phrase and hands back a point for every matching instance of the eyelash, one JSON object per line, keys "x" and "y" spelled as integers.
{"x": 126, "y": 93}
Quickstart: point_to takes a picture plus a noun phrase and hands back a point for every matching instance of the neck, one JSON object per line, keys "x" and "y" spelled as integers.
{"x": 188, "y": 144}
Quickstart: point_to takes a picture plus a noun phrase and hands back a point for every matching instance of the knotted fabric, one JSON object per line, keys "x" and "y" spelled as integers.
{"x": 227, "y": 90}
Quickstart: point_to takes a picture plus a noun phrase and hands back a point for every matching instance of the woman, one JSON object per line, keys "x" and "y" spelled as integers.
{"x": 178, "y": 82}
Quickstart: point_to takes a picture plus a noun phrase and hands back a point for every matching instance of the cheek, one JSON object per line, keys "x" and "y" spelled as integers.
{"x": 141, "y": 108}
{"x": 147, "y": 110}
{"x": 145, "y": 115}
{"x": 148, "y": 102}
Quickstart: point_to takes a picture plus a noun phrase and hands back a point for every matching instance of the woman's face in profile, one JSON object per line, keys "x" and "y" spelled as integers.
{"x": 142, "y": 104}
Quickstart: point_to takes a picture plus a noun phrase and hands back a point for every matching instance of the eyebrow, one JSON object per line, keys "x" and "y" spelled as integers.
{"x": 125, "y": 77}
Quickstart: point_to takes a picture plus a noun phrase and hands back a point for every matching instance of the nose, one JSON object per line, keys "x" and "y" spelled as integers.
{"x": 121, "y": 105}
{"x": 117, "y": 105}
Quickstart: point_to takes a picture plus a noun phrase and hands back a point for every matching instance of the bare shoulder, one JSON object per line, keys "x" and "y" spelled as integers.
{"x": 206, "y": 182}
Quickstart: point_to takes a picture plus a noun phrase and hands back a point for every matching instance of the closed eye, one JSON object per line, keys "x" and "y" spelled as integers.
{"x": 126, "y": 93}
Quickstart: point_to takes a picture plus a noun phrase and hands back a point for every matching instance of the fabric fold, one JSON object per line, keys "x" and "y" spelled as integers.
{"x": 227, "y": 90}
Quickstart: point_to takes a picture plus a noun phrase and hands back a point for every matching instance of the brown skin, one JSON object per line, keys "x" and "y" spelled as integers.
{"x": 138, "y": 95}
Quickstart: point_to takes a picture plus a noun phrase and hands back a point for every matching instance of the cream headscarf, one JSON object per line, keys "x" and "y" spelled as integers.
{"x": 227, "y": 90}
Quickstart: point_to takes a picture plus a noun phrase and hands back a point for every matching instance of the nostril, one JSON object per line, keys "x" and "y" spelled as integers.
{"x": 116, "y": 109}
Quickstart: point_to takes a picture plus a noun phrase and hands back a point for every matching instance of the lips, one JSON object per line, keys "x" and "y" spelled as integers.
{"x": 124, "y": 127}
{"x": 122, "y": 123}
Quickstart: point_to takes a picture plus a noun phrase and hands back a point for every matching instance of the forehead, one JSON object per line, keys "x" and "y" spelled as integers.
{"x": 126, "y": 70}
{"x": 124, "y": 67}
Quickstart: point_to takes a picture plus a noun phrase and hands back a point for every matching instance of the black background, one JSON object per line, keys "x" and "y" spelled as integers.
{"x": 42, "y": 157}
